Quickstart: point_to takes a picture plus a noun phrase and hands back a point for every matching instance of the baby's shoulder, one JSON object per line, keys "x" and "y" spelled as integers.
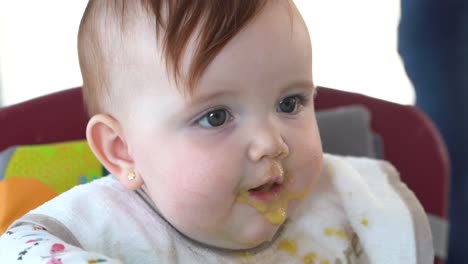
{"x": 92, "y": 194}
{"x": 97, "y": 217}
{"x": 101, "y": 193}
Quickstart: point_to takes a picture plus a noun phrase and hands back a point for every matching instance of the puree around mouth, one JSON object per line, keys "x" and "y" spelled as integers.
{"x": 275, "y": 209}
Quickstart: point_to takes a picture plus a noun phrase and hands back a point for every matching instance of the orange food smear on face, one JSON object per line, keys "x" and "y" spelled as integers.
{"x": 275, "y": 210}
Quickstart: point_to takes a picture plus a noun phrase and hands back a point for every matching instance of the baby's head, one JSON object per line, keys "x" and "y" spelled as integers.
{"x": 210, "y": 105}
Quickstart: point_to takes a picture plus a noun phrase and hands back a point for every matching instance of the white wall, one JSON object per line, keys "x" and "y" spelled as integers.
{"x": 354, "y": 47}
{"x": 38, "y": 47}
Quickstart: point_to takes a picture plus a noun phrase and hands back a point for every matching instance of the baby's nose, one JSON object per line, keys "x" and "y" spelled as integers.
{"x": 267, "y": 142}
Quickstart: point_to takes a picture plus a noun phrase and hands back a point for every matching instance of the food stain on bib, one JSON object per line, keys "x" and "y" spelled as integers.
{"x": 288, "y": 246}
{"x": 309, "y": 258}
{"x": 336, "y": 232}
{"x": 365, "y": 222}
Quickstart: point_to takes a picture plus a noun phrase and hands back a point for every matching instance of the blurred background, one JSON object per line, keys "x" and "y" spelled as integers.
{"x": 38, "y": 47}
{"x": 409, "y": 52}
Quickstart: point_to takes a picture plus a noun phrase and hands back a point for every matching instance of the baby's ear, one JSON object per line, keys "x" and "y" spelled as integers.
{"x": 105, "y": 137}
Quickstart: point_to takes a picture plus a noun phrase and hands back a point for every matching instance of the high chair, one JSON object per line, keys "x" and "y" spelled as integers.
{"x": 410, "y": 141}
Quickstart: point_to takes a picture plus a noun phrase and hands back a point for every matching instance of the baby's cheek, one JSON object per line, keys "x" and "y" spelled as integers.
{"x": 200, "y": 192}
{"x": 206, "y": 179}
{"x": 306, "y": 161}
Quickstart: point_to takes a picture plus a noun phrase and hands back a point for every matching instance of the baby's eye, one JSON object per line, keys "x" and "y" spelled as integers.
{"x": 290, "y": 104}
{"x": 214, "y": 118}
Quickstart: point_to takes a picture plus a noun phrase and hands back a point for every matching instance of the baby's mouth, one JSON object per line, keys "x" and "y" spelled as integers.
{"x": 267, "y": 191}
{"x": 268, "y": 199}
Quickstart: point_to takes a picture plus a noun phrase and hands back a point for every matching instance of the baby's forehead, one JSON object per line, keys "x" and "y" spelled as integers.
{"x": 128, "y": 34}
{"x": 133, "y": 47}
{"x": 136, "y": 38}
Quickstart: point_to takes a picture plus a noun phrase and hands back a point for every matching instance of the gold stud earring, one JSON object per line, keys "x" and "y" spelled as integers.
{"x": 131, "y": 176}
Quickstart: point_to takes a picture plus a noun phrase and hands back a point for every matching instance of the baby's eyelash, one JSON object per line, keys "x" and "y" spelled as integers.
{"x": 201, "y": 119}
{"x": 293, "y": 104}
{"x": 303, "y": 98}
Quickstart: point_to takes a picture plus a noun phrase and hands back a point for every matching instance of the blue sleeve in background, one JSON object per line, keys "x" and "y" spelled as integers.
{"x": 433, "y": 43}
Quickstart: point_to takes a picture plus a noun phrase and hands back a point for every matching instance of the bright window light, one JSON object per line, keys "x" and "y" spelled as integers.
{"x": 354, "y": 47}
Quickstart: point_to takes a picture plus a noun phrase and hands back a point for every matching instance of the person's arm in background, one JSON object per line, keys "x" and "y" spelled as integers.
{"x": 433, "y": 43}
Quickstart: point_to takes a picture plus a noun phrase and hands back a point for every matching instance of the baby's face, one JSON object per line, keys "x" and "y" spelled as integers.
{"x": 229, "y": 164}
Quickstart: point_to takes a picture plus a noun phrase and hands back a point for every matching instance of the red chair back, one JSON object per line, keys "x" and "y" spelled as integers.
{"x": 411, "y": 141}
{"x": 412, "y": 144}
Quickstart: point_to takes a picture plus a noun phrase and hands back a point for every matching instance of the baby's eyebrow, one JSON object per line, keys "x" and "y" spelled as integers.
{"x": 199, "y": 98}
{"x": 301, "y": 84}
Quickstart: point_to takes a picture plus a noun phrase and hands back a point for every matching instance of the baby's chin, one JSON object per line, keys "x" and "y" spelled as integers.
{"x": 251, "y": 234}
{"x": 246, "y": 229}
{"x": 248, "y": 239}
{"x": 260, "y": 235}
{"x": 255, "y": 233}
{"x": 257, "y": 230}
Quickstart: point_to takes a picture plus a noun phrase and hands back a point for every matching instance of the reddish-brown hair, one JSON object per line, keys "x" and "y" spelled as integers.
{"x": 216, "y": 22}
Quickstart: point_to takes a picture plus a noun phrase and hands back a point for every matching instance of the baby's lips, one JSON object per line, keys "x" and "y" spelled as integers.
{"x": 266, "y": 185}
{"x": 266, "y": 192}
{"x": 273, "y": 176}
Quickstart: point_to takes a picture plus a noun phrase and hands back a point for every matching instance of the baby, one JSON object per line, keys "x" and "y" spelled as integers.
{"x": 203, "y": 113}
